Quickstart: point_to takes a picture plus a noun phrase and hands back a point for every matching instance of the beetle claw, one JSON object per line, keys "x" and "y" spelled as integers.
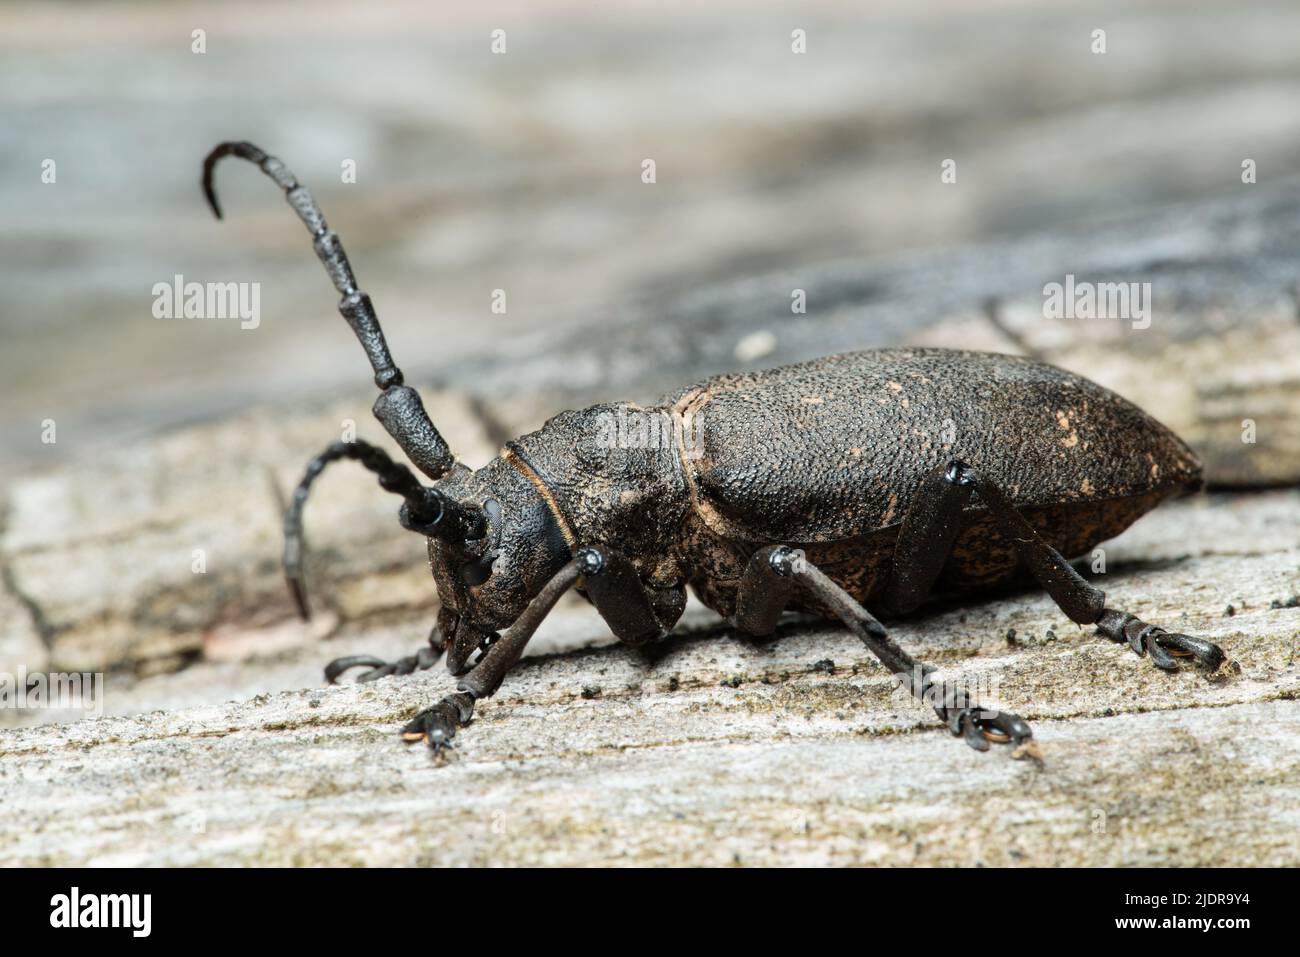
{"x": 1206, "y": 652}
{"x": 979, "y": 727}
{"x": 1162, "y": 646}
{"x": 1161, "y": 658}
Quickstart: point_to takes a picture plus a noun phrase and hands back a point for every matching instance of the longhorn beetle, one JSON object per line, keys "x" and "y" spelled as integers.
{"x": 868, "y": 479}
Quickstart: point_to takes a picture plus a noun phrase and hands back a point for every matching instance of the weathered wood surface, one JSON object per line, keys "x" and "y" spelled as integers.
{"x": 723, "y": 752}
{"x": 104, "y": 558}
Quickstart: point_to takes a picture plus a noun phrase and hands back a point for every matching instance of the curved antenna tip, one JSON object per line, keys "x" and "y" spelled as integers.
{"x": 244, "y": 150}
{"x": 211, "y": 197}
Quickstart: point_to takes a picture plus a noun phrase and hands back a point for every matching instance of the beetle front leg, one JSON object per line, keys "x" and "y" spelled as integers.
{"x": 768, "y": 584}
{"x": 437, "y": 725}
{"x": 634, "y": 613}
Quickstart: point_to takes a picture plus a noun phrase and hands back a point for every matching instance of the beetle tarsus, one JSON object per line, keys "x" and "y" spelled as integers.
{"x": 979, "y": 727}
{"x": 1205, "y": 652}
{"x": 436, "y": 725}
{"x": 422, "y": 660}
{"x": 1154, "y": 642}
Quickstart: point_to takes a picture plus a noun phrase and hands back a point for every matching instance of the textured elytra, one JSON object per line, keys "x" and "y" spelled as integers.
{"x": 832, "y": 449}
{"x": 823, "y": 454}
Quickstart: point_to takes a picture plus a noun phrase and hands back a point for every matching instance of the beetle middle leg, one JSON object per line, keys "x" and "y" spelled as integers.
{"x": 926, "y": 538}
{"x": 767, "y": 587}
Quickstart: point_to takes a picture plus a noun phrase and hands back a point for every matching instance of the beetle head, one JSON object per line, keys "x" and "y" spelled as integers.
{"x": 485, "y": 580}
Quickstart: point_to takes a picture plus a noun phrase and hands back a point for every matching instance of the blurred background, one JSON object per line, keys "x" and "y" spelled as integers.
{"x": 521, "y": 171}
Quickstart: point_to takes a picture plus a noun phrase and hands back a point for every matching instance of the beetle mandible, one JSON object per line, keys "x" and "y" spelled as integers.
{"x": 869, "y": 479}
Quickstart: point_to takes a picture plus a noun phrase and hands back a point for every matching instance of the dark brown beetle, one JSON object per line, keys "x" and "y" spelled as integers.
{"x": 819, "y": 487}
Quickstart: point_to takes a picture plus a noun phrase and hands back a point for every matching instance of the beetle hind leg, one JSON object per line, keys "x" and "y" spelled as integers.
{"x": 932, "y": 524}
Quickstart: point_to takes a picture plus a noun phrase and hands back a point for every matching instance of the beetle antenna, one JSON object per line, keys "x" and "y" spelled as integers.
{"x": 425, "y": 510}
{"x": 398, "y": 407}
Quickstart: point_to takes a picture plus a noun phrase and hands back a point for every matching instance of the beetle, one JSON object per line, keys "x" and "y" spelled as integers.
{"x": 863, "y": 480}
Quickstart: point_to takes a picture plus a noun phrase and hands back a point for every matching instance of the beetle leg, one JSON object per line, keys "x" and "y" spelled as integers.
{"x": 635, "y": 614}
{"x": 422, "y": 660}
{"x": 768, "y": 584}
{"x": 614, "y": 588}
{"x": 925, "y": 540}
{"x": 437, "y": 724}
{"x": 1083, "y": 602}
{"x": 1162, "y": 646}
{"x": 766, "y": 588}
